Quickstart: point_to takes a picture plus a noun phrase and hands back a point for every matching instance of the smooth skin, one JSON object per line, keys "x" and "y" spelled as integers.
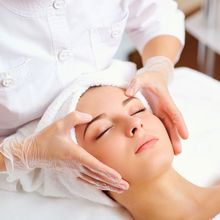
{"x": 155, "y": 89}
{"x": 157, "y": 96}
{"x": 156, "y": 190}
{"x": 53, "y": 147}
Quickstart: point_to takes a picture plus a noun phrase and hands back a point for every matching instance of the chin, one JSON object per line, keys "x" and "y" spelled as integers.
{"x": 155, "y": 164}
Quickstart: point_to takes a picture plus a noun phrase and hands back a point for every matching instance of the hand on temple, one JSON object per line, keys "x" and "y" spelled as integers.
{"x": 54, "y": 148}
{"x": 152, "y": 80}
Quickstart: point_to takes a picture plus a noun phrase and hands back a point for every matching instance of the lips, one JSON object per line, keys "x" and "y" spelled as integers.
{"x": 146, "y": 143}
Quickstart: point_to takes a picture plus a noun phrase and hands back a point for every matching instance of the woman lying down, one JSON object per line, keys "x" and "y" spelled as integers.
{"x": 125, "y": 135}
{"x": 129, "y": 138}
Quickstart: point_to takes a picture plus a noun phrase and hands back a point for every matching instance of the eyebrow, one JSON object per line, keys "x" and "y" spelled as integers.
{"x": 93, "y": 120}
{"x": 125, "y": 102}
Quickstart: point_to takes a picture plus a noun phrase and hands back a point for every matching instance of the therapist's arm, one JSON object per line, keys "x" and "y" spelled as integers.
{"x": 164, "y": 45}
{"x": 2, "y": 163}
{"x": 164, "y": 107}
{"x": 159, "y": 56}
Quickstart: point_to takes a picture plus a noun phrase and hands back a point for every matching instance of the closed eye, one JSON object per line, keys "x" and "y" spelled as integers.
{"x": 100, "y": 135}
{"x": 141, "y": 110}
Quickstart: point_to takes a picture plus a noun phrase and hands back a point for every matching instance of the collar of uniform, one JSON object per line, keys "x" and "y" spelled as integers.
{"x": 28, "y": 8}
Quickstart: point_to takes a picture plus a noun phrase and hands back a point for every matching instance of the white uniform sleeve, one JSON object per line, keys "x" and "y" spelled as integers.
{"x": 151, "y": 18}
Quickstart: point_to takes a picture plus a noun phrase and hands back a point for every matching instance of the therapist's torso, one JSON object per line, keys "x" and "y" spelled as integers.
{"x": 45, "y": 44}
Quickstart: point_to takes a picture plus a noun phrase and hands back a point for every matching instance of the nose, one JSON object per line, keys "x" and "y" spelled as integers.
{"x": 133, "y": 125}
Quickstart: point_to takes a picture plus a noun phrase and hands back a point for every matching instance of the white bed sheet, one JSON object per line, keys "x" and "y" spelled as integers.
{"x": 198, "y": 97}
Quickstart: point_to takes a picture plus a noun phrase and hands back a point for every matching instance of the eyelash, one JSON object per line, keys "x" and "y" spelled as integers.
{"x": 140, "y": 110}
{"x": 100, "y": 135}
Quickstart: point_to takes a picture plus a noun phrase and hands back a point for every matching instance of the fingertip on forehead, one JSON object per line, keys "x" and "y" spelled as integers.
{"x": 143, "y": 100}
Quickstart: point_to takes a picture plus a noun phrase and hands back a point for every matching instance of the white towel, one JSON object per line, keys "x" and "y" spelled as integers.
{"x": 54, "y": 183}
{"x": 118, "y": 74}
{"x": 197, "y": 97}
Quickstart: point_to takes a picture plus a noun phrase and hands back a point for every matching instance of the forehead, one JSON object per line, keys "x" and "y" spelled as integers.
{"x": 101, "y": 99}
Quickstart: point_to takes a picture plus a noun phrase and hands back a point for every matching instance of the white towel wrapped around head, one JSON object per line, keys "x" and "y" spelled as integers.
{"x": 118, "y": 74}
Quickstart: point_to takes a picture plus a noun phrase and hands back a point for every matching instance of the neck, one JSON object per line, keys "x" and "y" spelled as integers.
{"x": 170, "y": 197}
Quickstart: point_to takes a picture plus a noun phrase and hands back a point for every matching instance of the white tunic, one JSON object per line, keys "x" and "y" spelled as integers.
{"x": 45, "y": 44}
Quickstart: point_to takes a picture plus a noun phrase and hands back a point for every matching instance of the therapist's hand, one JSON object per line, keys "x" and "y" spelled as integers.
{"x": 152, "y": 81}
{"x": 54, "y": 148}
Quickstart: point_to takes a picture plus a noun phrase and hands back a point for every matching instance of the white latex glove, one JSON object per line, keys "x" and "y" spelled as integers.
{"x": 54, "y": 148}
{"x": 152, "y": 80}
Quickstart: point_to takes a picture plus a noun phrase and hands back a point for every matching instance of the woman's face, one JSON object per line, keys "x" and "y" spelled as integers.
{"x": 120, "y": 126}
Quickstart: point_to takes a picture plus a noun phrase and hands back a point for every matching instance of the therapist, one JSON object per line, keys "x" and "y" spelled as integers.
{"x": 45, "y": 44}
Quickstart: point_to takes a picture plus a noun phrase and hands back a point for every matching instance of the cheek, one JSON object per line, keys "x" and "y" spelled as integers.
{"x": 111, "y": 150}
{"x": 154, "y": 162}
{"x": 154, "y": 125}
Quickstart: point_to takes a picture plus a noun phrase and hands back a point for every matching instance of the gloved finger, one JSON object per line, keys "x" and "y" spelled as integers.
{"x": 173, "y": 134}
{"x": 122, "y": 185}
{"x": 133, "y": 87}
{"x": 96, "y": 166}
{"x": 179, "y": 122}
{"x": 167, "y": 103}
{"x": 75, "y": 118}
{"x": 99, "y": 185}
{"x": 86, "y": 182}
{"x": 141, "y": 82}
{"x": 176, "y": 117}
